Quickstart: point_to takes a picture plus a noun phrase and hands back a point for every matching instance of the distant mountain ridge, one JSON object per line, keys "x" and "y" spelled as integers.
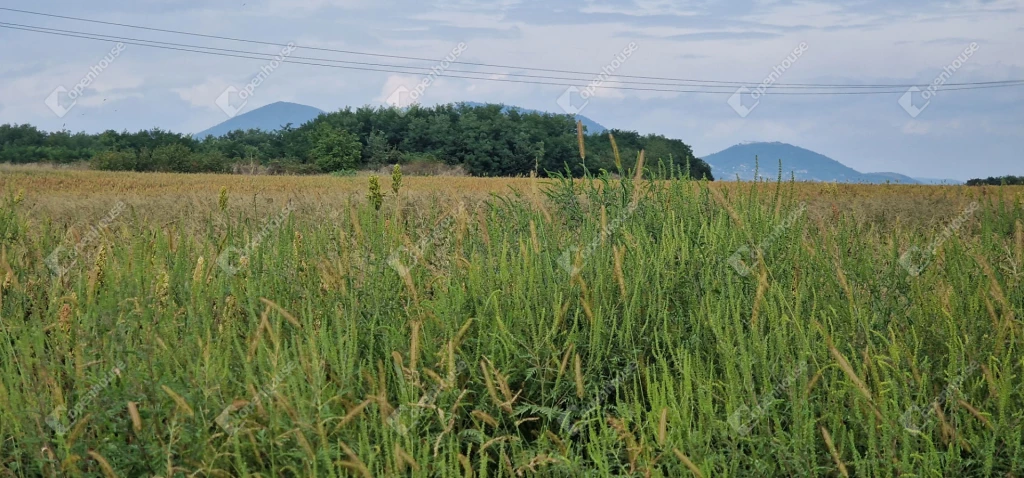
{"x": 803, "y": 164}
{"x": 267, "y": 118}
{"x": 275, "y": 115}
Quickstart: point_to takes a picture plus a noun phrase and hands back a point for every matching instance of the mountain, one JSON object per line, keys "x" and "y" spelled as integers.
{"x": 268, "y": 118}
{"x": 804, "y": 164}
{"x": 592, "y": 126}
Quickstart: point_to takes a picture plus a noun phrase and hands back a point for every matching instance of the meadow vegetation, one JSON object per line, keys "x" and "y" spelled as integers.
{"x": 653, "y": 325}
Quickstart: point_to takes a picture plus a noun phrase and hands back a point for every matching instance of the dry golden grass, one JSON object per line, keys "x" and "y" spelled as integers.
{"x": 64, "y": 195}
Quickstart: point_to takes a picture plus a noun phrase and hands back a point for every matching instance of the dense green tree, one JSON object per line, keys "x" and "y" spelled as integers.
{"x": 379, "y": 152}
{"x": 205, "y": 162}
{"x": 169, "y": 158}
{"x": 335, "y": 149}
{"x": 115, "y": 161}
{"x": 487, "y": 140}
{"x": 998, "y": 181}
{"x": 27, "y": 144}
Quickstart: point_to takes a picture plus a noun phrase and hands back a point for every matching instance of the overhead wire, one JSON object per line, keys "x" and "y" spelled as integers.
{"x": 391, "y": 68}
{"x": 689, "y": 83}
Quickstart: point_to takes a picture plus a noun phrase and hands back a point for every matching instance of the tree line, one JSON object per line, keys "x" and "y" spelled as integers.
{"x": 998, "y": 181}
{"x": 487, "y": 140}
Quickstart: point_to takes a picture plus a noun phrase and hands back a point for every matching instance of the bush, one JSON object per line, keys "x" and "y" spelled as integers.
{"x": 378, "y": 152}
{"x": 115, "y": 161}
{"x": 206, "y": 162}
{"x": 335, "y": 149}
{"x": 170, "y": 158}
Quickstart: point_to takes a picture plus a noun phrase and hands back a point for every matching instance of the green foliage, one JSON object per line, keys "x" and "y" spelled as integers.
{"x": 379, "y": 152}
{"x": 170, "y": 158}
{"x": 658, "y": 150}
{"x": 334, "y": 150}
{"x": 396, "y": 179}
{"x": 115, "y": 161}
{"x": 374, "y": 194}
{"x": 487, "y": 140}
{"x": 26, "y": 144}
{"x": 174, "y": 158}
{"x": 998, "y": 181}
{"x": 450, "y": 340}
{"x": 205, "y": 162}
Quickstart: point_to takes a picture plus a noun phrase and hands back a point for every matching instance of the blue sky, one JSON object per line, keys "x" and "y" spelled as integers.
{"x": 959, "y": 134}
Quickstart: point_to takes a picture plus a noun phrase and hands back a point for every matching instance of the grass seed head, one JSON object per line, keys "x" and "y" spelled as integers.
{"x": 222, "y": 200}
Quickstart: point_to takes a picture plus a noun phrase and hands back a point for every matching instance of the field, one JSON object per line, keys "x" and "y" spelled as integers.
{"x": 215, "y": 325}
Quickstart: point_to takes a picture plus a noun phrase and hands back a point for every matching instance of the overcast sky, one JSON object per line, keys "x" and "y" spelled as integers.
{"x": 958, "y": 134}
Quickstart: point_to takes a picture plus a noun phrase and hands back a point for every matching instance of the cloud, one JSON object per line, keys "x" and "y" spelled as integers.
{"x": 108, "y": 99}
{"x": 705, "y": 36}
{"x": 859, "y": 42}
{"x": 202, "y": 95}
{"x": 949, "y": 41}
{"x": 916, "y": 127}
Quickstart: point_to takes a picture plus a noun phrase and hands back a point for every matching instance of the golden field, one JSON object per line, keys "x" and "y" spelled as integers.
{"x": 65, "y": 194}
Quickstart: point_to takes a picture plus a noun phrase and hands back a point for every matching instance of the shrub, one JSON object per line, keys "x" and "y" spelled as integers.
{"x": 206, "y": 162}
{"x": 115, "y": 161}
{"x": 334, "y": 149}
{"x": 169, "y": 158}
{"x": 378, "y": 152}
{"x": 375, "y": 196}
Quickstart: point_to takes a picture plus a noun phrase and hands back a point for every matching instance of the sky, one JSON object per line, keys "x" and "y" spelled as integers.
{"x": 943, "y": 133}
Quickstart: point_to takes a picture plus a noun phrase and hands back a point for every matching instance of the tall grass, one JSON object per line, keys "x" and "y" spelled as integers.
{"x": 454, "y": 341}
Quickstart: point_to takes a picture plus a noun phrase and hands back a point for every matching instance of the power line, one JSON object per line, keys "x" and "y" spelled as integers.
{"x": 265, "y": 56}
{"x": 701, "y": 83}
{"x": 420, "y": 71}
